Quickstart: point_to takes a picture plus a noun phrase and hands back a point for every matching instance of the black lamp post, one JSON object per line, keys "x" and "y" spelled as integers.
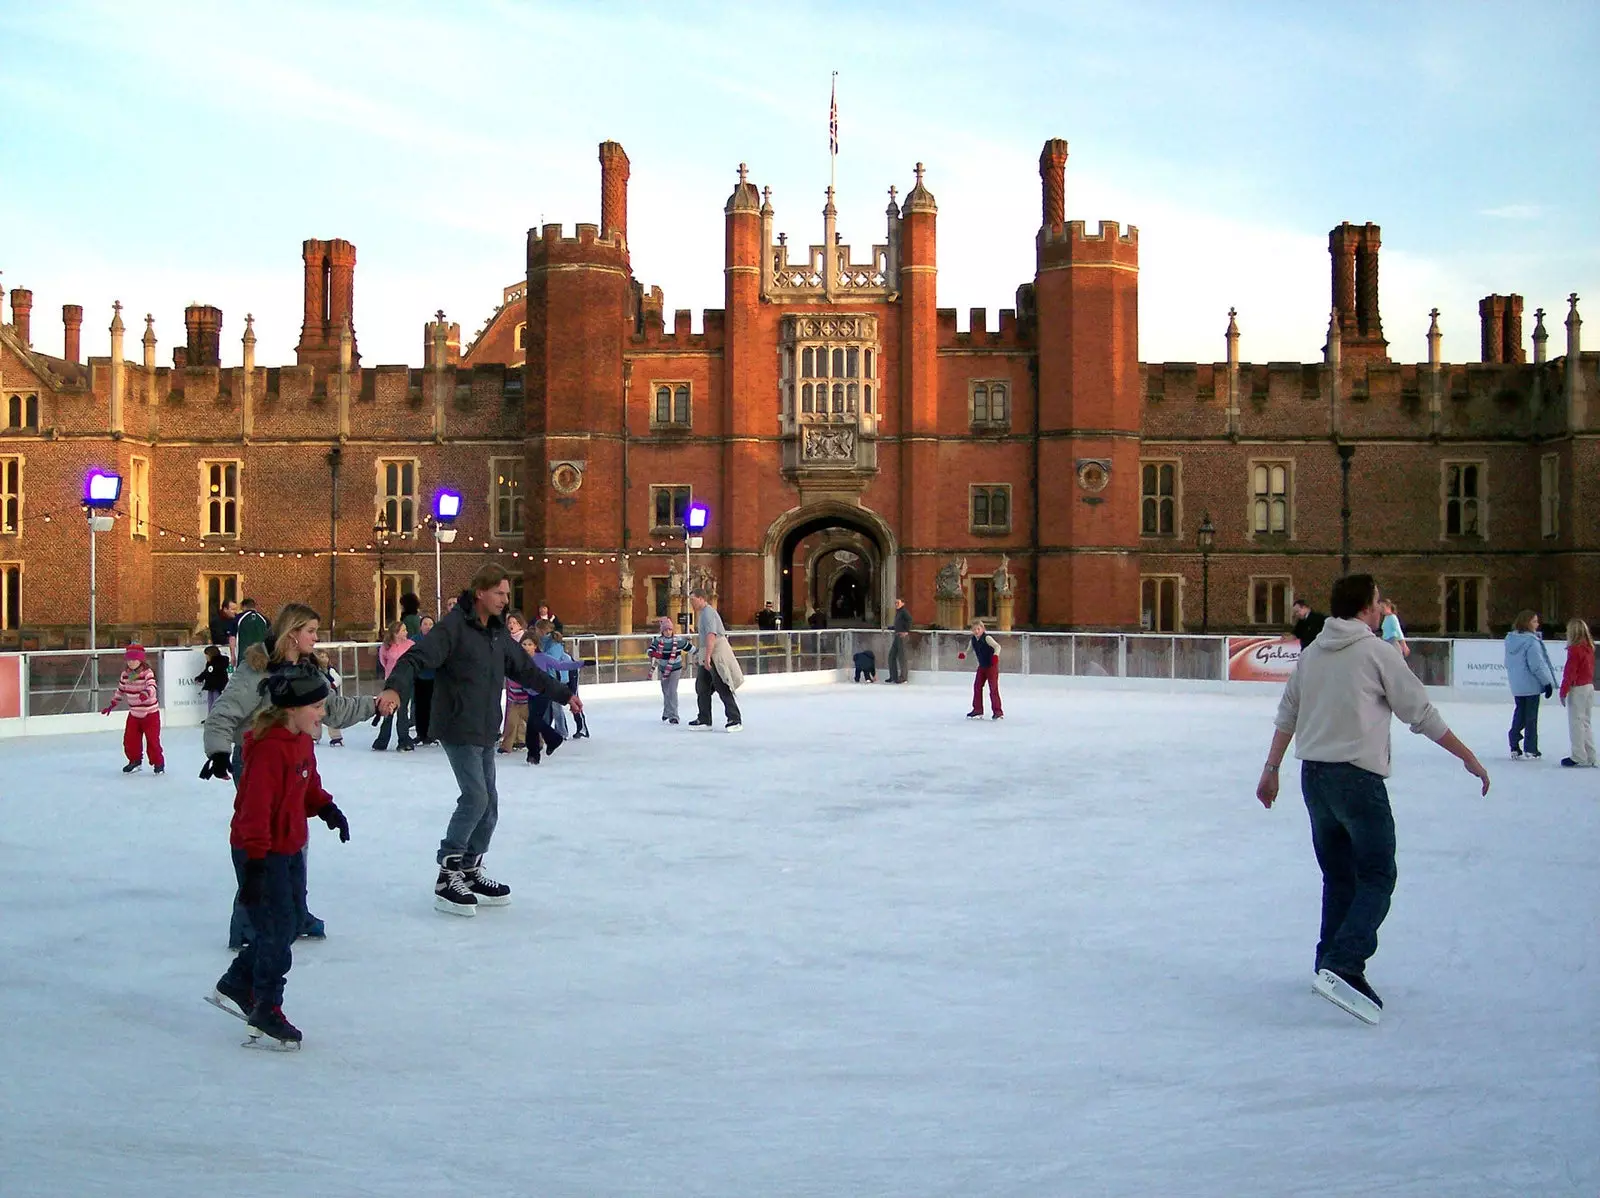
{"x": 1206, "y": 536}
{"x": 380, "y": 530}
{"x": 1346, "y": 452}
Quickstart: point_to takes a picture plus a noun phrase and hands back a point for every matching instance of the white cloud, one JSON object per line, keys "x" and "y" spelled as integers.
{"x": 1514, "y": 212}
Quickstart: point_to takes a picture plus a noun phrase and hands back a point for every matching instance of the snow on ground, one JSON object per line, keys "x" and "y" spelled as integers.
{"x": 867, "y": 947}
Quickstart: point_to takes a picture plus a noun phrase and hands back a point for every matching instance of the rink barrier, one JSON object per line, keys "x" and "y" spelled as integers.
{"x": 62, "y": 691}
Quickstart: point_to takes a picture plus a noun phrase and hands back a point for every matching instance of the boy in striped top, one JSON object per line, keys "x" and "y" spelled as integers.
{"x": 666, "y": 652}
{"x": 142, "y": 733}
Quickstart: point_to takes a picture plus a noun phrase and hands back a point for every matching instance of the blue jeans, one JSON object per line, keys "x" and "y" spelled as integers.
{"x": 1525, "y": 724}
{"x": 264, "y": 963}
{"x": 1352, "y": 831}
{"x": 478, "y": 807}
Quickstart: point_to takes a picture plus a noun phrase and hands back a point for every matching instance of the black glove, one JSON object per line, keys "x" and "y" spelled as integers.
{"x": 218, "y": 765}
{"x": 1548, "y": 691}
{"x": 253, "y": 889}
{"x": 334, "y": 818}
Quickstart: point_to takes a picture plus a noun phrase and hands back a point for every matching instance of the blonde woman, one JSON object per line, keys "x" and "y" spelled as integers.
{"x": 293, "y": 638}
{"x": 1577, "y": 693}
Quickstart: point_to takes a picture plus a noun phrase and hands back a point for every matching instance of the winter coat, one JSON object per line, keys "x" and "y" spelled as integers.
{"x": 902, "y": 620}
{"x": 1528, "y": 668}
{"x": 278, "y": 790}
{"x": 215, "y": 676}
{"x": 1346, "y": 690}
{"x": 471, "y": 661}
{"x": 388, "y": 654}
{"x": 225, "y": 727}
{"x": 726, "y": 664}
{"x": 666, "y": 652}
{"x": 1579, "y": 670}
{"x": 137, "y": 689}
{"x": 1307, "y": 628}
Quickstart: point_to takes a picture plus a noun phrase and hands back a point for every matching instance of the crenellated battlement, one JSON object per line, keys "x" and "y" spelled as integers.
{"x": 682, "y": 338}
{"x": 550, "y": 244}
{"x": 978, "y": 335}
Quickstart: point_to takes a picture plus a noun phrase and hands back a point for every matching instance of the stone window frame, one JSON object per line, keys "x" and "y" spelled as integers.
{"x": 518, "y": 499}
{"x": 675, "y": 530}
{"x": 11, "y": 608}
{"x": 1481, "y": 620}
{"x": 664, "y": 583}
{"x": 25, "y": 404}
{"x": 395, "y": 580}
{"x": 406, "y": 504}
{"x": 223, "y": 500}
{"x": 519, "y": 338}
{"x": 1161, "y": 580}
{"x": 13, "y": 500}
{"x": 1550, "y": 495}
{"x": 203, "y": 592}
{"x": 138, "y": 498}
{"x": 992, "y": 612}
{"x": 1257, "y": 581}
{"x": 1253, "y": 497}
{"x": 1481, "y": 499}
{"x": 989, "y": 421}
{"x": 989, "y": 528}
{"x": 1176, "y": 497}
{"x": 677, "y": 389}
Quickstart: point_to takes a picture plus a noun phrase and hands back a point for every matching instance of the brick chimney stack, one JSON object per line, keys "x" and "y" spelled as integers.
{"x": 1500, "y": 317}
{"x": 21, "y": 310}
{"x": 204, "y": 326}
{"x": 72, "y": 327}
{"x": 614, "y": 171}
{"x": 1053, "y": 177}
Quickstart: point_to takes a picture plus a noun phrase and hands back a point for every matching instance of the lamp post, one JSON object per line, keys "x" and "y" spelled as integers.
{"x": 380, "y": 531}
{"x": 101, "y": 490}
{"x": 446, "y": 507}
{"x": 1206, "y": 536}
{"x": 1346, "y": 452}
{"x": 695, "y": 519}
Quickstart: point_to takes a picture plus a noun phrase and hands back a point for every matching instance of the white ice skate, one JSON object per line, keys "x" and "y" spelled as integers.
{"x": 1342, "y": 994}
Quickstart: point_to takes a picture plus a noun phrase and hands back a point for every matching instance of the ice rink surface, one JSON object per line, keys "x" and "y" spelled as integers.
{"x": 865, "y": 948}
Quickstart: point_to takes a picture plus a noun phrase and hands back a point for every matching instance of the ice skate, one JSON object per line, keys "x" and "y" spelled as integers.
{"x": 451, "y": 893}
{"x": 485, "y": 889}
{"x": 269, "y": 1029}
{"x": 233, "y": 997}
{"x": 1349, "y": 992}
{"x": 133, "y": 767}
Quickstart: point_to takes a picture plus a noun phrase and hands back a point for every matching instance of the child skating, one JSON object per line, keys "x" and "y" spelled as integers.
{"x": 987, "y": 651}
{"x": 213, "y": 679}
{"x": 280, "y": 788}
{"x": 666, "y": 650}
{"x": 142, "y": 733}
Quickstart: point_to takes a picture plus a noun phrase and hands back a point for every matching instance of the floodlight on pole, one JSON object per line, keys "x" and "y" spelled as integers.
{"x": 101, "y": 490}
{"x": 446, "y": 509}
{"x": 695, "y": 518}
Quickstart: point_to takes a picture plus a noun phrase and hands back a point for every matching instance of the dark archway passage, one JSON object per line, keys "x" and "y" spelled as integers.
{"x": 848, "y": 591}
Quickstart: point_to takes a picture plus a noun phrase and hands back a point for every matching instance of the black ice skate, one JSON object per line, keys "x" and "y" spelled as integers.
{"x": 235, "y": 998}
{"x": 133, "y": 767}
{"x": 268, "y": 1023}
{"x": 485, "y": 889}
{"x": 451, "y": 893}
{"x": 1350, "y": 992}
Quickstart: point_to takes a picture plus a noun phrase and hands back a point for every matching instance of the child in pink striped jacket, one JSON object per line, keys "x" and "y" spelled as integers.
{"x": 142, "y": 733}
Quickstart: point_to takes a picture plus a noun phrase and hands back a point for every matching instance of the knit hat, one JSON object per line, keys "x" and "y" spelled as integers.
{"x": 134, "y": 653}
{"x": 295, "y": 685}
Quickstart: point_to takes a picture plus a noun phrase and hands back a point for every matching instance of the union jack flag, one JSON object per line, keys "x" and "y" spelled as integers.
{"x": 833, "y": 116}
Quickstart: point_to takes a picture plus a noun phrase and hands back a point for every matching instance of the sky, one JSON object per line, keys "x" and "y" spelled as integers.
{"x": 164, "y": 154}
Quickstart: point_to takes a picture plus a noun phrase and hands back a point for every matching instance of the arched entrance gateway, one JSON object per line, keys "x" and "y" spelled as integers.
{"x": 834, "y": 557}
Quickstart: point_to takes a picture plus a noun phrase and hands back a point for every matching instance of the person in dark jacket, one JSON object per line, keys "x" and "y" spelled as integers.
{"x": 410, "y": 614}
{"x": 422, "y": 697}
{"x": 1307, "y": 623}
{"x": 471, "y": 653}
{"x": 899, "y": 634}
{"x": 222, "y": 623}
{"x": 213, "y": 679}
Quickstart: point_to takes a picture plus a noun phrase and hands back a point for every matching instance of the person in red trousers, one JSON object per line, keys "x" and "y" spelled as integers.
{"x": 987, "y": 651}
{"x": 142, "y": 734}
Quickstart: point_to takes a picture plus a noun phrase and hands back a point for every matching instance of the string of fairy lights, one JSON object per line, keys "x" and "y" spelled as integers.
{"x": 395, "y": 544}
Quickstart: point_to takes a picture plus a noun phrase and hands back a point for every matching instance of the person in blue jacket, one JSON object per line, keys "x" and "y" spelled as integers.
{"x": 1532, "y": 677}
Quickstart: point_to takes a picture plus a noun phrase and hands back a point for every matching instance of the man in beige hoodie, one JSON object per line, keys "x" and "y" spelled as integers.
{"x": 1337, "y": 707}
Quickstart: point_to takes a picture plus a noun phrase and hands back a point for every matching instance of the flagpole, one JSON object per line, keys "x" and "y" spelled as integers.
{"x": 833, "y": 133}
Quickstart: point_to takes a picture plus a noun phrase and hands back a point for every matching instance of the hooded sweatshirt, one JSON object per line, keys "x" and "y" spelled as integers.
{"x": 1528, "y": 667}
{"x": 1339, "y": 700}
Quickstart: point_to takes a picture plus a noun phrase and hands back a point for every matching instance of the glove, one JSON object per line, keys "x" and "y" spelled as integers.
{"x": 218, "y": 765}
{"x": 253, "y": 889}
{"x": 961, "y": 657}
{"x": 1548, "y": 691}
{"x": 334, "y": 818}
{"x": 105, "y": 711}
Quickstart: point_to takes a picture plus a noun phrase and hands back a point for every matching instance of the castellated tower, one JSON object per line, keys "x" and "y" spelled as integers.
{"x": 1086, "y": 296}
{"x": 577, "y": 312}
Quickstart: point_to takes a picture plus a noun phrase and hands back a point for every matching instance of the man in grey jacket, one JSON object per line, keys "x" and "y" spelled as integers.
{"x": 1337, "y": 706}
{"x": 899, "y": 634}
{"x": 707, "y": 678}
{"x": 471, "y": 653}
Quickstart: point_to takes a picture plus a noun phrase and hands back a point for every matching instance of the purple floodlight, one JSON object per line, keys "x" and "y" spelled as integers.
{"x": 102, "y": 489}
{"x": 446, "y": 505}
{"x": 697, "y": 516}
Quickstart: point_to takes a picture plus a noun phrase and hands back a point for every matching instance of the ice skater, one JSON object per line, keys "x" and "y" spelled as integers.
{"x": 1336, "y": 707}
{"x": 1532, "y": 678}
{"x": 717, "y": 670}
{"x": 666, "y": 650}
{"x": 213, "y": 679}
{"x": 548, "y": 731}
{"x": 281, "y": 789}
{"x": 987, "y": 650}
{"x": 899, "y": 636}
{"x": 866, "y": 663}
{"x": 1577, "y": 693}
{"x": 142, "y": 733}
{"x": 395, "y": 646}
{"x": 1307, "y": 622}
{"x": 471, "y": 653}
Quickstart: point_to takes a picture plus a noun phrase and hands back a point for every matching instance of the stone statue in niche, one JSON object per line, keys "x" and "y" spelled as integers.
{"x": 948, "y": 584}
{"x": 1002, "y": 577}
{"x": 625, "y": 575}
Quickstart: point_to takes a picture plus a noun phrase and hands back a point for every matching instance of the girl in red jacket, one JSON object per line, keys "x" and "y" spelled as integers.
{"x": 142, "y": 732}
{"x": 1577, "y": 692}
{"x": 278, "y": 791}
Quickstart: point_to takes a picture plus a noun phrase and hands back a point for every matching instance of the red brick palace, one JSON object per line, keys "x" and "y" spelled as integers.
{"x": 851, "y": 442}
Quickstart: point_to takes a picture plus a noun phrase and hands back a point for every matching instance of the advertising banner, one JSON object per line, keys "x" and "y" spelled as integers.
{"x": 1262, "y": 658}
{"x": 10, "y": 686}
{"x": 182, "y": 700}
{"x": 1481, "y": 665}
